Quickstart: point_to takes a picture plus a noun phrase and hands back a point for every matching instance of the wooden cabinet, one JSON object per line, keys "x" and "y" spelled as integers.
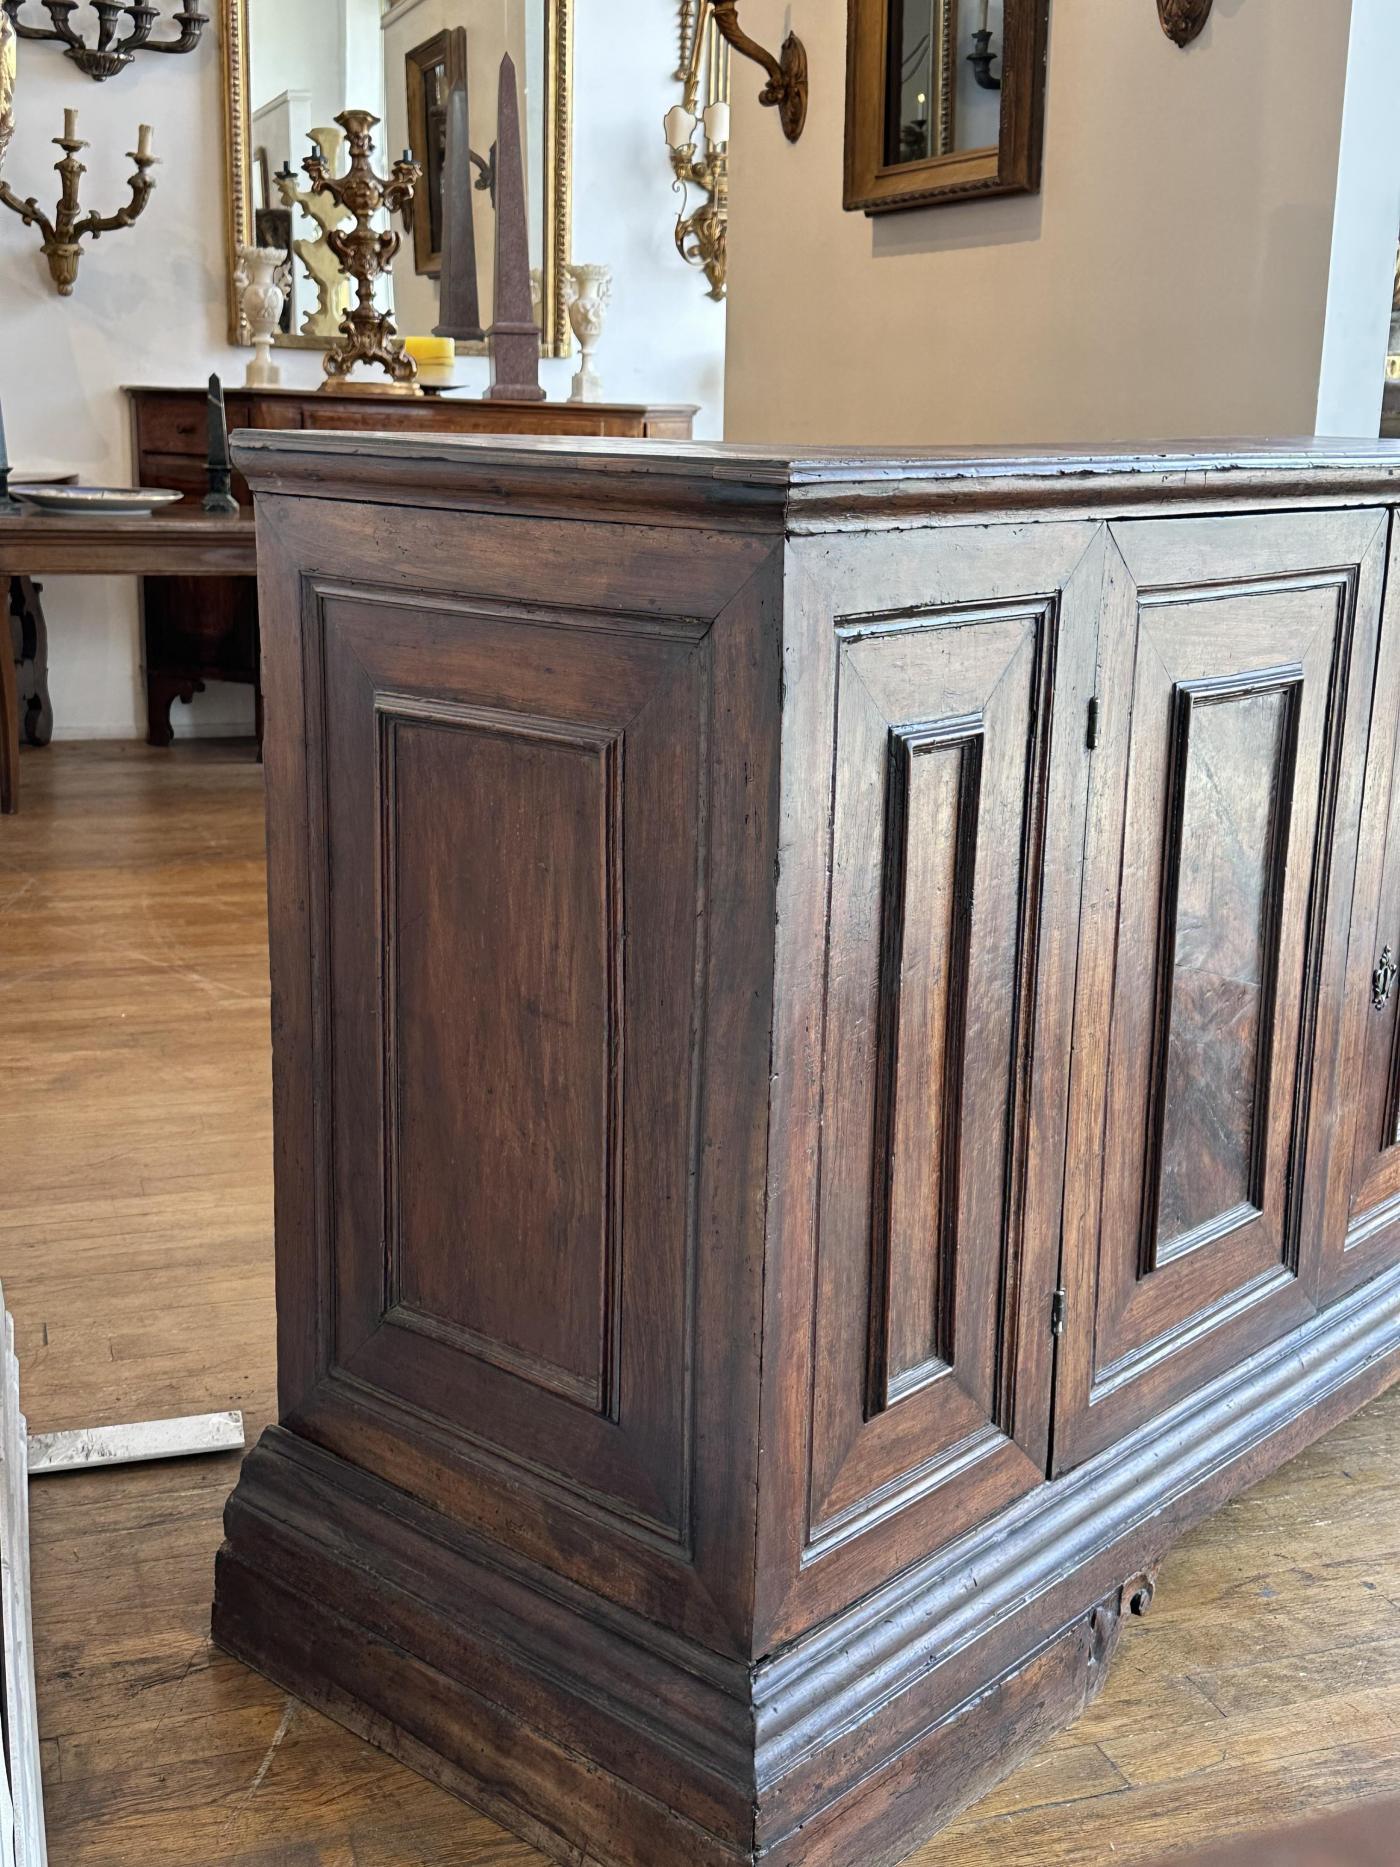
{"x": 200, "y": 630}
{"x": 830, "y": 1098}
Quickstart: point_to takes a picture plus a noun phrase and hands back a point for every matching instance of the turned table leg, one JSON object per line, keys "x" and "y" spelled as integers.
{"x": 28, "y": 611}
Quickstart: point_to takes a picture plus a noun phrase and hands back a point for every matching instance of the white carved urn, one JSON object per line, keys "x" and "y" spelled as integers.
{"x": 587, "y": 290}
{"x": 262, "y": 274}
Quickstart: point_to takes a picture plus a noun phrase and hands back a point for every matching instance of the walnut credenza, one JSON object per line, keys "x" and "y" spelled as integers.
{"x": 200, "y": 632}
{"x": 836, "y": 1087}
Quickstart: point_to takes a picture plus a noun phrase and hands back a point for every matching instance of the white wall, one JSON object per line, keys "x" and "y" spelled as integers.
{"x": 1173, "y": 278}
{"x": 150, "y": 303}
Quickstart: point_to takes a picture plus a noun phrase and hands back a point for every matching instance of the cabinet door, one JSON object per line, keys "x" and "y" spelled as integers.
{"x": 1363, "y": 1232}
{"x": 1234, "y": 687}
{"x": 935, "y": 825}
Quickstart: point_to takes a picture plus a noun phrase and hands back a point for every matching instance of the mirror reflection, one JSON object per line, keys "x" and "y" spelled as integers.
{"x": 310, "y": 60}
{"x": 943, "y": 91}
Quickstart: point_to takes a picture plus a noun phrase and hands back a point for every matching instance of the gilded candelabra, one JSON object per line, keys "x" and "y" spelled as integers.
{"x": 367, "y": 254}
{"x": 110, "y": 54}
{"x": 69, "y": 224}
{"x": 702, "y": 236}
{"x": 708, "y": 29}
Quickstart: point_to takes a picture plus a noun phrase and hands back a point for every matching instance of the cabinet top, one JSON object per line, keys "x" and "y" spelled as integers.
{"x": 812, "y": 488}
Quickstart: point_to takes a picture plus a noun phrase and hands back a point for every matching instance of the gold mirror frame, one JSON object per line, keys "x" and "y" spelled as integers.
{"x": 555, "y": 336}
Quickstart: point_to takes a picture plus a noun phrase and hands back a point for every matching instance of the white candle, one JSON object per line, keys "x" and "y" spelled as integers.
{"x": 680, "y": 127}
{"x": 717, "y": 123}
{"x": 70, "y": 126}
{"x": 983, "y": 10}
{"x": 143, "y": 140}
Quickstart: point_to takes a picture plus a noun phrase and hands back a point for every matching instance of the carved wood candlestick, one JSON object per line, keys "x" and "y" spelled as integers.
{"x": 109, "y": 56}
{"x": 367, "y": 254}
{"x": 63, "y": 233}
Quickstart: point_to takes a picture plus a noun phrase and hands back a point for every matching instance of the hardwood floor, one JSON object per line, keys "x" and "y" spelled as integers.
{"x": 135, "y": 1248}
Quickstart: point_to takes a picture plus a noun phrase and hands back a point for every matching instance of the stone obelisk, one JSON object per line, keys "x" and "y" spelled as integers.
{"x": 514, "y": 337}
{"x": 459, "y": 302}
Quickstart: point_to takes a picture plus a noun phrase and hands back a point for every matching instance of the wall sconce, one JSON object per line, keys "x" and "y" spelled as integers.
{"x": 1183, "y": 20}
{"x": 708, "y": 29}
{"x": 982, "y": 57}
{"x": 109, "y": 55}
{"x": 63, "y": 233}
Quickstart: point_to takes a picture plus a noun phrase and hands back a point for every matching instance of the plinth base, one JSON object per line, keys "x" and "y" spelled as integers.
{"x": 595, "y": 1734}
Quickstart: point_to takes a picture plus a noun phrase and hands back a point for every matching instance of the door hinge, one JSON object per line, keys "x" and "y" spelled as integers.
{"x": 1091, "y": 733}
{"x": 1057, "y": 1313}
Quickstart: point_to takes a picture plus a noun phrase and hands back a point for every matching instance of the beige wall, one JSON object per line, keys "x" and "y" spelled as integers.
{"x": 1170, "y": 280}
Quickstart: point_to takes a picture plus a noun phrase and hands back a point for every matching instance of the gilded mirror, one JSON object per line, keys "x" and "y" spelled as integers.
{"x": 292, "y": 66}
{"x": 944, "y": 100}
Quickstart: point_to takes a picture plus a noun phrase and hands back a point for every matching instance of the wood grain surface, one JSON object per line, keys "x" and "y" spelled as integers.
{"x": 135, "y": 1244}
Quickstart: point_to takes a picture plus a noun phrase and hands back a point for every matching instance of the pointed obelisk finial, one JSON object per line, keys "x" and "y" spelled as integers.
{"x": 514, "y": 337}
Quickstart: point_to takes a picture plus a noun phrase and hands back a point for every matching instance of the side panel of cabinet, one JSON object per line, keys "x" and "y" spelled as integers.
{"x": 1363, "y": 1233}
{"x": 522, "y": 1091}
{"x": 935, "y": 774}
{"x": 1235, "y": 680}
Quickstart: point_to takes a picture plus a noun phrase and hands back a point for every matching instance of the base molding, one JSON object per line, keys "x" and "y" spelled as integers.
{"x": 607, "y": 1741}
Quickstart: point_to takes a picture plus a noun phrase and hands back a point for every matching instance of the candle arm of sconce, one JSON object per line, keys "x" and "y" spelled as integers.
{"x": 60, "y": 30}
{"x": 29, "y": 211}
{"x": 142, "y": 185}
{"x": 191, "y": 30}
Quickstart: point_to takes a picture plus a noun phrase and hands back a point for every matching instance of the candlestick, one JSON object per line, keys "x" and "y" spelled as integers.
{"x": 366, "y": 334}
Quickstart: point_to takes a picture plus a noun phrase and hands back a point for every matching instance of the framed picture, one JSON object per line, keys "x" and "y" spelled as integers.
{"x": 432, "y": 69}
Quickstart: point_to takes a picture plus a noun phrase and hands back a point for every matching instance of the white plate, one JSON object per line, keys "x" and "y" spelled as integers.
{"x": 100, "y": 501}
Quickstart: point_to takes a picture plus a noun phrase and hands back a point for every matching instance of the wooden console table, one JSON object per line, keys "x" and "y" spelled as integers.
{"x": 195, "y": 633}
{"x": 835, "y": 1049}
{"x": 185, "y": 543}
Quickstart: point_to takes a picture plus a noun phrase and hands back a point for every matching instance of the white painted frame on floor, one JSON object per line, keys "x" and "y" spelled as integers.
{"x": 87, "y": 1446}
{"x": 22, "y": 1837}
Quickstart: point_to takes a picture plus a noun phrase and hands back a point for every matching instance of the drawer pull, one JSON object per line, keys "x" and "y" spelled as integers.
{"x": 1383, "y": 979}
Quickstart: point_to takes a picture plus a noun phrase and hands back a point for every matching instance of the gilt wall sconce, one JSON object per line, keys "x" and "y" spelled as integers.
{"x": 708, "y": 30}
{"x": 1182, "y": 20}
{"x": 70, "y": 225}
{"x": 111, "y": 54}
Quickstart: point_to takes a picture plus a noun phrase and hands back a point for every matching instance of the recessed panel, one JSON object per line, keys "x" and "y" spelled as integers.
{"x": 1233, "y": 784}
{"x": 501, "y": 846}
{"x": 929, "y": 862}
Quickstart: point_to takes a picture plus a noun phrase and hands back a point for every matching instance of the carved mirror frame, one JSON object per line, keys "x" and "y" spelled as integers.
{"x": 1010, "y": 166}
{"x": 555, "y": 335}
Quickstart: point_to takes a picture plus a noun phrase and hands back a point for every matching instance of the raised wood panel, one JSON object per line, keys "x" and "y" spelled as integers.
{"x": 507, "y": 806}
{"x": 1233, "y": 759}
{"x": 1233, "y": 692}
{"x": 500, "y": 872}
{"x": 935, "y": 847}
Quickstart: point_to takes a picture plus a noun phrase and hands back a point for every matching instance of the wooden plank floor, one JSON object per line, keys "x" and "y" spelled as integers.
{"x": 135, "y": 1247}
